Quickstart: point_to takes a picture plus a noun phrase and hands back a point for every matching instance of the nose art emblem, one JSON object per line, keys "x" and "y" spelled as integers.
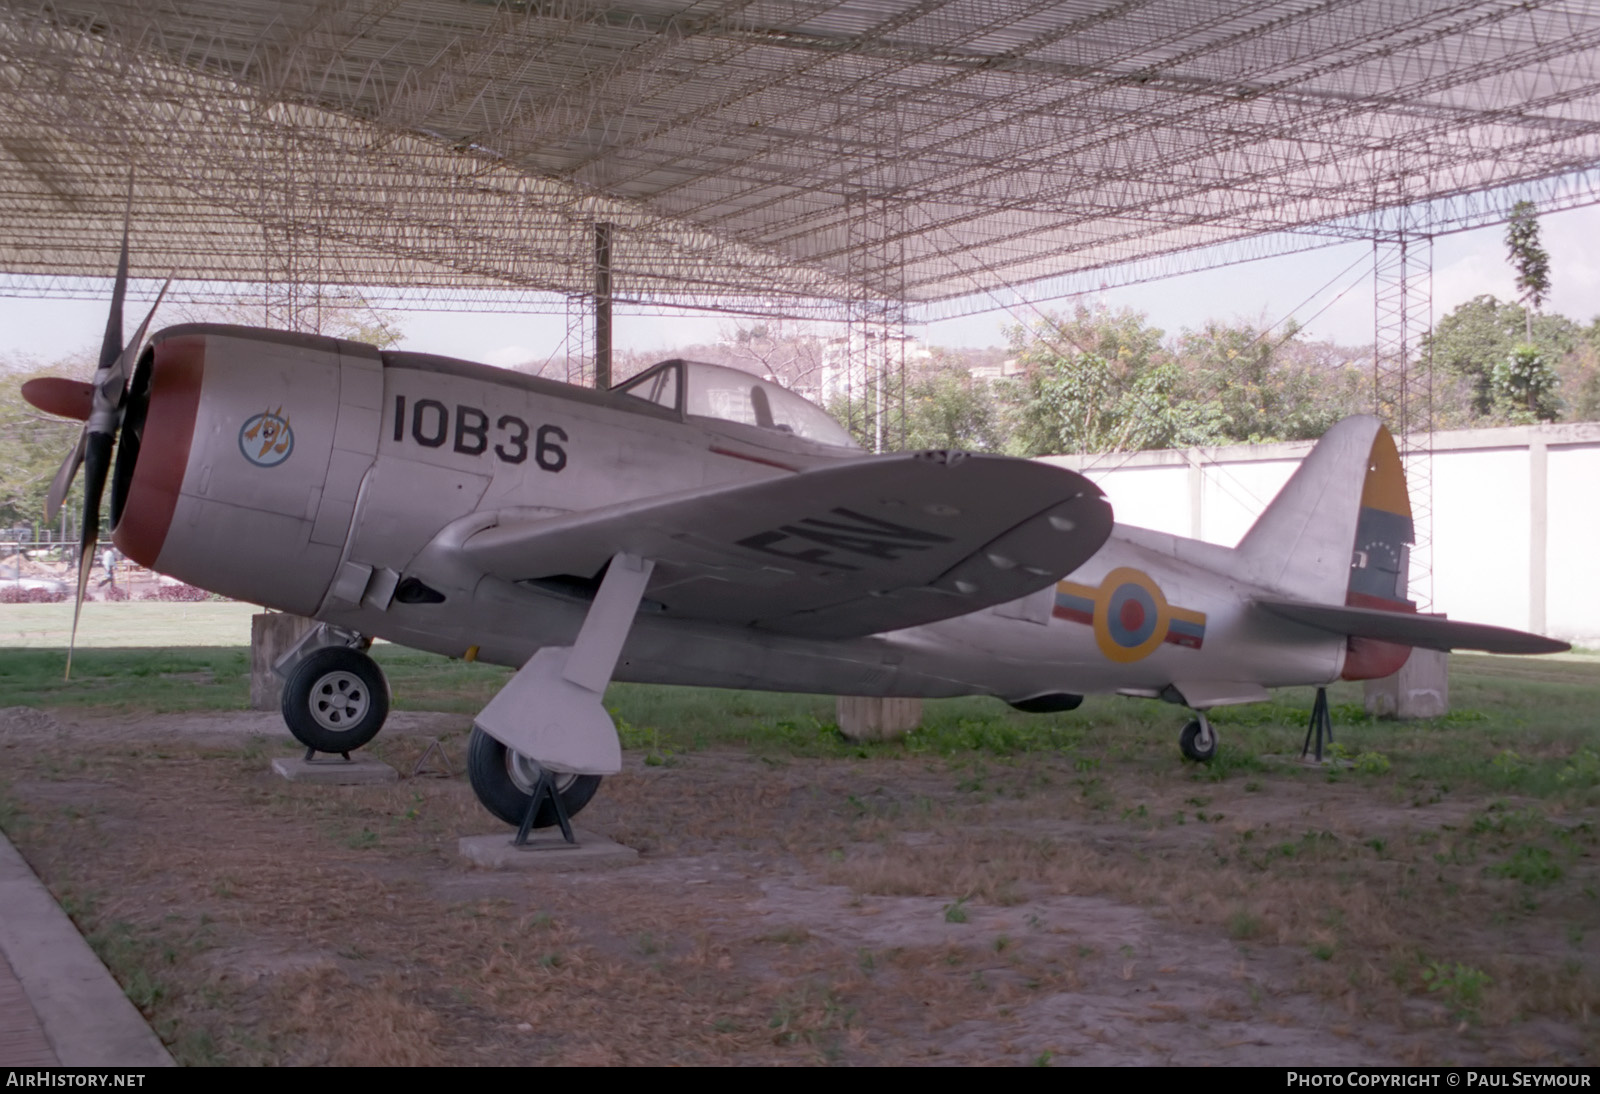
{"x": 266, "y": 439}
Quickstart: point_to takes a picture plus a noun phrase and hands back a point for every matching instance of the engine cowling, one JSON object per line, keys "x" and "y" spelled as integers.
{"x": 241, "y": 456}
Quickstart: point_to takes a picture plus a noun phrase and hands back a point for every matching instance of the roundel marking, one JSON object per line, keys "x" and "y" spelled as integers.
{"x": 1131, "y": 616}
{"x": 265, "y": 439}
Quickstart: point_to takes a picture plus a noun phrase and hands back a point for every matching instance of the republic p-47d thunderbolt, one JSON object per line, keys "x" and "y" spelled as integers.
{"x": 698, "y": 525}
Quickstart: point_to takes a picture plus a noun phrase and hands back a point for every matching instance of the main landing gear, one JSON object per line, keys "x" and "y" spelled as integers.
{"x": 506, "y": 781}
{"x": 1198, "y": 740}
{"x": 335, "y": 699}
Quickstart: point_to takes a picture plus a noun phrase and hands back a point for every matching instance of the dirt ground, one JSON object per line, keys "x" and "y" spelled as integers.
{"x": 903, "y": 909}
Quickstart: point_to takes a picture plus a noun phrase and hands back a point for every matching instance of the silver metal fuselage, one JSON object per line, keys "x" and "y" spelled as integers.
{"x": 395, "y": 460}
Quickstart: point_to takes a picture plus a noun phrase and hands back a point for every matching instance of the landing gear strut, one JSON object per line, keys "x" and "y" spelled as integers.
{"x": 1198, "y": 740}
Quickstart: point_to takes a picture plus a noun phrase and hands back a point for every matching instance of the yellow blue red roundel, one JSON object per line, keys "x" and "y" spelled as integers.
{"x": 1130, "y": 616}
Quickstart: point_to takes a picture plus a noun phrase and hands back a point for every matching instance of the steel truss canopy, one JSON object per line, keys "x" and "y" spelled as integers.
{"x": 764, "y": 154}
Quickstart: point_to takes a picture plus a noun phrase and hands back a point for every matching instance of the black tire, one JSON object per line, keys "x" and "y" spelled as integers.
{"x": 335, "y": 700}
{"x": 1189, "y": 742}
{"x": 503, "y": 781}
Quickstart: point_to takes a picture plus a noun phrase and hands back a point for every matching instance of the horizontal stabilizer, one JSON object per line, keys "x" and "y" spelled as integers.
{"x": 1433, "y": 632}
{"x": 840, "y": 551}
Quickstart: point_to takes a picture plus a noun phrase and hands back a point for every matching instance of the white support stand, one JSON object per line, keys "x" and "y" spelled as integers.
{"x": 551, "y": 710}
{"x": 1421, "y": 689}
{"x": 868, "y": 718}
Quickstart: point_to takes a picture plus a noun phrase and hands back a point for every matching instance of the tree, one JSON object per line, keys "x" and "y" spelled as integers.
{"x": 1099, "y": 381}
{"x": 1528, "y": 259}
{"x": 33, "y": 444}
{"x": 338, "y": 315}
{"x": 1525, "y": 386}
{"x": 1263, "y": 385}
{"x": 948, "y": 408}
{"x": 787, "y": 352}
{"x": 1469, "y": 344}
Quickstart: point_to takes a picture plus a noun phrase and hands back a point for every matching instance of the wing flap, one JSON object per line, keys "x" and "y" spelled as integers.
{"x": 840, "y": 551}
{"x": 1433, "y": 632}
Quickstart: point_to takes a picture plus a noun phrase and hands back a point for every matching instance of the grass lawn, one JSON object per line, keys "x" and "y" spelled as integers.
{"x": 135, "y": 623}
{"x": 997, "y": 887}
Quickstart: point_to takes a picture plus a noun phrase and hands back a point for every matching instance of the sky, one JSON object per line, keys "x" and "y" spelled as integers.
{"x": 1328, "y": 291}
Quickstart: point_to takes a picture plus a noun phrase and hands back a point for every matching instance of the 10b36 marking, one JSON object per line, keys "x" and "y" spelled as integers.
{"x": 432, "y": 424}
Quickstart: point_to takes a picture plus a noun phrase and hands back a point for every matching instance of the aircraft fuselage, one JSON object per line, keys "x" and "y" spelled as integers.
{"x": 323, "y": 478}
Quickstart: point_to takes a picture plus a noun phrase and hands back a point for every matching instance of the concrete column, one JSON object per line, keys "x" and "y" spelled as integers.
{"x": 1197, "y": 493}
{"x": 1538, "y": 532}
{"x": 271, "y": 635}
{"x": 1419, "y": 690}
{"x": 863, "y": 718}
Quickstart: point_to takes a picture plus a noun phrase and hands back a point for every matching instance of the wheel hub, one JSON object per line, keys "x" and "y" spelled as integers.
{"x": 525, "y": 770}
{"x": 339, "y": 701}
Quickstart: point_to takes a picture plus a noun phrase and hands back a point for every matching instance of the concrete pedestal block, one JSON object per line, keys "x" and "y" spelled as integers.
{"x": 873, "y": 719}
{"x": 1419, "y": 690}
{"x": 271, "y": 635}
{"x": 546, "y": 851}
{"x": 335, "y": 771}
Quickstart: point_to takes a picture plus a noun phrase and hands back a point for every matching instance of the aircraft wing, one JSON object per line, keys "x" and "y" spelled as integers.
{"x": 1433, "y": 632}
{"x": 834, "y": 552}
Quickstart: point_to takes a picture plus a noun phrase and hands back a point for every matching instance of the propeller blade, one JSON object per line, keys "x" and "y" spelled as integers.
{"x": 96, "y": 464}
{"x": 63, "y": 480}
{"x": 99, "y": 432}
{"x": 85, "y": 560}
{"x": 59, "y": 396}
{"x": 111, "y": 344}
{"x": 124, "y": 366}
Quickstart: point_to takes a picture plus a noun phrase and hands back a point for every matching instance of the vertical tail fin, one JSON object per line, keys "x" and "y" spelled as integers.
{"x": 1338, "y": 532}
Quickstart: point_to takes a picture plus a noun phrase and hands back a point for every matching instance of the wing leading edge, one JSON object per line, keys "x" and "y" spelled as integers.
{"x": 1433, "y": 632}
{"x": 835, "y": 552}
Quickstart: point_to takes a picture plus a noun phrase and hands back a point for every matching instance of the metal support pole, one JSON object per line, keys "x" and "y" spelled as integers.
{"x": 1321, "y": 725}
{"x": 602, "y": 306}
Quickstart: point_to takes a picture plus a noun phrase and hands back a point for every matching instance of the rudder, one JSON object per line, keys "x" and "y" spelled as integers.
{"x": 1339, "y": 530}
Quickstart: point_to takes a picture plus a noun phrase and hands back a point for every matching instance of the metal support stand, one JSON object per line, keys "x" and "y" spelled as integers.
{"x": 544, "y": 789}
{"x": 311, "y": 755}
{"x": 433, "y": 749}
{"x": 1321, "y": 725}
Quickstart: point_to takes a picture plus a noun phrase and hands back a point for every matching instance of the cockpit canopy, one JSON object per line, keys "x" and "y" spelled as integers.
{"x": 714, "y": 391}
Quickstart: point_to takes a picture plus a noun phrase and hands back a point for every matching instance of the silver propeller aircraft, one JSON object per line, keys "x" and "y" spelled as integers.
{"x": 698, "y": 525}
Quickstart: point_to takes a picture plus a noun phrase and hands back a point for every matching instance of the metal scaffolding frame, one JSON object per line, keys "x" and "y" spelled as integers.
{"x": 1402, "y": 271}
{"x": 455, "y": 152}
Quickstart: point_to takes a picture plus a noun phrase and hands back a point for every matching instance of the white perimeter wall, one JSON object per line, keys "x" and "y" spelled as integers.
{"x": 1515, "y": 524}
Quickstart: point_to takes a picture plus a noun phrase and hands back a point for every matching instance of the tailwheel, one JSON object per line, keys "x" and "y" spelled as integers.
{"x": 1198, "y": 740}
{"x": 505, "y": 780}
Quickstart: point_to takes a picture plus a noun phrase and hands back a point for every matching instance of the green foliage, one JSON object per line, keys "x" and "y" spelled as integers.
{"x": 1525, "y": 385}
{"x": 1531, "y": 865}
{"x": 1527, "y": 257}
{"x": 1461, "y": 985}
{"x": 948, "y": 408}
{"x": 1582, "y": 771}
{"x": 1476, "y": 337}
{"x": 1261, "y": 385}
{"x": 1099, "y": 382}
{"x": 32, "y": 446}
{"x": 1366, "y": 763}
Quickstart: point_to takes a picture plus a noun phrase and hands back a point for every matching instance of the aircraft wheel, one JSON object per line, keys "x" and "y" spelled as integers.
{"x": 504, "y": 782}
{"x": 335, "y": 700}
{"x": 1198, "y": 740}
